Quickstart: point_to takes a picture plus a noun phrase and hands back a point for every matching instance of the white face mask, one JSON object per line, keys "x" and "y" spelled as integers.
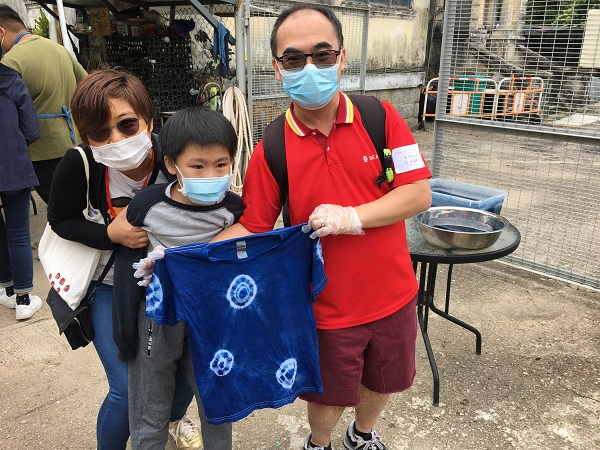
{"x": 124, "y": 155}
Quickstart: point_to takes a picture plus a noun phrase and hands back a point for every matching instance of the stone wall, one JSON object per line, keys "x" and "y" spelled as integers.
{"x": 405, "y": 100}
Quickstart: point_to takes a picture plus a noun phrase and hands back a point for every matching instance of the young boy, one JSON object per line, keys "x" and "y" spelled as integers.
{"x": 199, "y": 147}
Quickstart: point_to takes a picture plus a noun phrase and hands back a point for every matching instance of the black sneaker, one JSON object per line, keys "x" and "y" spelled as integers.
{"x": 354, "y": 442}
{"x": 307, "y": 445}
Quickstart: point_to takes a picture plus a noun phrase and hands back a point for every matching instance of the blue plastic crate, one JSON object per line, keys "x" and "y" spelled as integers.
{"x": 454, "y": 193}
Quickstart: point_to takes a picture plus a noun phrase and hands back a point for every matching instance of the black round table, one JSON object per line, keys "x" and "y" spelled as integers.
{"x": 428, "y": 256}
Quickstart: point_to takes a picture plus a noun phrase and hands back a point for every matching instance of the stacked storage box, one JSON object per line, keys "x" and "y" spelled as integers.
{"x": 454, "y": 193}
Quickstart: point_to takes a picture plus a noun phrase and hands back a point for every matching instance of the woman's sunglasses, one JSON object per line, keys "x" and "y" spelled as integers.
{"x": 128, "y": 127}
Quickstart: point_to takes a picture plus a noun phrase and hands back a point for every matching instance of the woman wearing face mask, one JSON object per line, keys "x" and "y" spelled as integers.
{"x": 114, "y": 114}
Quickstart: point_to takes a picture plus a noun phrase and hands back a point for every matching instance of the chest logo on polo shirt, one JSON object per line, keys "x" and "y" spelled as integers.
{"x": 367, "y": 158}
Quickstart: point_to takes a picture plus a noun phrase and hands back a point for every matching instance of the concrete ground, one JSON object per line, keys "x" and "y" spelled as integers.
{"x": 536, "y": 385}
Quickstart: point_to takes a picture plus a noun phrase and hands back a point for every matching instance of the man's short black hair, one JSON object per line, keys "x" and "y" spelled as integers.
{"x": 197, "y": 125}
{"x": 328, "y": 13}
{"x": 10, "y": 19}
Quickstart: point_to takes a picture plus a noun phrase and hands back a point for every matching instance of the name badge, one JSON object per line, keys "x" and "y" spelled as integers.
{"x": 407, "y": 158}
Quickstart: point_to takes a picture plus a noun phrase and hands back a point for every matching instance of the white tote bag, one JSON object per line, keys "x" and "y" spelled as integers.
{"x": 70, "y": 265}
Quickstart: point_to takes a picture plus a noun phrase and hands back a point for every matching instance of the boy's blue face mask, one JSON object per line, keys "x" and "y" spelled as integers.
{"x": 205, "y": 191}
{"x": 311, "y": 88}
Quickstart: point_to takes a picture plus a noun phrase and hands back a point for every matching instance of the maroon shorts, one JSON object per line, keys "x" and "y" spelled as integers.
{"x": 380, "y": 355}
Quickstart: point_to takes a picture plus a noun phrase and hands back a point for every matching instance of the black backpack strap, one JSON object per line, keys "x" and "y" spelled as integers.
{"x": 274, "y": 147}
{"x": 372, "y": 114}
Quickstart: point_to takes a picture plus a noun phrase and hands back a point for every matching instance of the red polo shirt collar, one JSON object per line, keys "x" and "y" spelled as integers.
{"x": 345, "y": 114}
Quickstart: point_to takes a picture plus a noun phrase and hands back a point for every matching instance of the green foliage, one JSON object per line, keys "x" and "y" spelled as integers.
{"x": 542, "y": 12}
{"x": 576, "y": 13}
{"x": 41, "y": 25}
{"x": 559, "y": 12}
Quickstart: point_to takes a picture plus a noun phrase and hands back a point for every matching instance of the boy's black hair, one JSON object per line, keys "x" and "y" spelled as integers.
{"x": 200, "y": 126}
{"x": 10, "y": 19}
{"x": 328, "y": 13}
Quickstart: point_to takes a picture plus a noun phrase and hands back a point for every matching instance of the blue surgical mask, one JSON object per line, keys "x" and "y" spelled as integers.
{"x": 311, "y": 87}
{"x": 205, "y": 191}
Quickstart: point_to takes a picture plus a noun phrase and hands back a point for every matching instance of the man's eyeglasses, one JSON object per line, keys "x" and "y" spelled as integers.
{"x": 323, "y": 59}
{"x": 128, "y": 127}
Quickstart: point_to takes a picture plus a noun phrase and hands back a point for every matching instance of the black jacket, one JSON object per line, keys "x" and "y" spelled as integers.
{"x": 67, "y": 201}
{"x": 19, "y": 127}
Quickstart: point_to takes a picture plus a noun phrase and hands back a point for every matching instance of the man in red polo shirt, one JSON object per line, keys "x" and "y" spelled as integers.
{"x": 366, "y": 315}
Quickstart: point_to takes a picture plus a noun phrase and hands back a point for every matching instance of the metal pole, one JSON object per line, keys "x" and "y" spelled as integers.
{"x": 240, "y": 47}
{"x": 444, "y": 75}
{"x": 63, "y": 27}
{"x": 364, "y": 47}
{"x": 249, "y": 63}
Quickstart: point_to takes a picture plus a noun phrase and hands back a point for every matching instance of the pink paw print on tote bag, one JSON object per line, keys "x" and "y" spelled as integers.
{"x": 58, "y": 283}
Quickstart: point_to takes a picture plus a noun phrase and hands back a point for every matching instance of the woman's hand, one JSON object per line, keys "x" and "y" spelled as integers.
{"x": 122, "y": 232}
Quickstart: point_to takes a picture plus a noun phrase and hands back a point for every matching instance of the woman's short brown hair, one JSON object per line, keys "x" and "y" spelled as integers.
{"x": 90, "y": 103}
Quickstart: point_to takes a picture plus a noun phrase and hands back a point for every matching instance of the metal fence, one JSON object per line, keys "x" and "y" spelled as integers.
{"x": 518, "y": 109}
{"x": 204, "y": 67}
{"x": 266, "y": 98}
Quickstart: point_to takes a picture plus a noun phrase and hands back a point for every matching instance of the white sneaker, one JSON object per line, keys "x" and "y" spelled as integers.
{"x": 5, "y": 300}
{"x": 26, "y": 311}
{"x": 186, "y": 434}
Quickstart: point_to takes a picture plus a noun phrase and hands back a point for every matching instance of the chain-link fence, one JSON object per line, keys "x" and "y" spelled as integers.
{"x": 204, "y": 68}
{"x": 518, "y": 109}
{"x": 177, "y": 67}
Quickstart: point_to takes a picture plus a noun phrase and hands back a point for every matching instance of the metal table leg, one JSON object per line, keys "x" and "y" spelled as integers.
{"x": 425, "y": 298}
{"x": 425, "y": 302}
{"x": 453, "y": 319}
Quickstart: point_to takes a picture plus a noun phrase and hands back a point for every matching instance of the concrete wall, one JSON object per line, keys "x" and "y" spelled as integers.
{"x": 400, "y": 89}
{"x": 19, "y": 7}
{"x": 396, "y": 57}
{"x": 398, "y": 40}
{"x": 590, "y": 51}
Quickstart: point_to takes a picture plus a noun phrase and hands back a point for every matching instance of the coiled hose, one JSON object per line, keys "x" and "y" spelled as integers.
{"x": 234, "y": 108}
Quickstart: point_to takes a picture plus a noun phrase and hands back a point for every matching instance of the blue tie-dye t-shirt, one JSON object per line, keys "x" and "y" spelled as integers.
{"x": 247, "y": 304}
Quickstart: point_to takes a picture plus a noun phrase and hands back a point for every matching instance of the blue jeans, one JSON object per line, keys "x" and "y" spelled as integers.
{"x": 112, "y": 428}
{"x": 16, "y": 256}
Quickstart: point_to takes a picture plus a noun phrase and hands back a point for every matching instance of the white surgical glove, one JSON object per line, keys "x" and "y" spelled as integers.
{"x": 144, "y": 268}
{"x": 333, "y": 219}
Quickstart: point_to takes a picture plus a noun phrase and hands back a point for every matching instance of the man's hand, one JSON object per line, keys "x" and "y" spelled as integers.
{"x": 333, "y": 219}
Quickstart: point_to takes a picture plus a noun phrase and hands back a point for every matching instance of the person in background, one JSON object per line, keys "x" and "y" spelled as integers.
{"x": 114, "y": 113}
{"x": 51, "y": 74}
{"x": 18, "y": 128}
{"x": 366, "y": 315}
